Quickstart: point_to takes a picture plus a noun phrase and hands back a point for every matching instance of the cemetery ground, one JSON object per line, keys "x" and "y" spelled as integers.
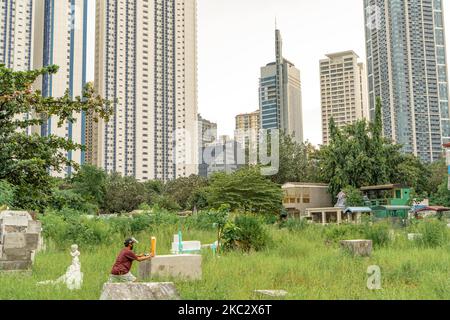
{"x": 302, "y": 262}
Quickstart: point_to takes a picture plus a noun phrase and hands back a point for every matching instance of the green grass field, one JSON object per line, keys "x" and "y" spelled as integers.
{"x": 301, "y": 263}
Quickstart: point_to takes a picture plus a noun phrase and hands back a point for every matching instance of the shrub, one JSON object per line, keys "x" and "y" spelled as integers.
{"x": 69, "y": 226}
{"x": 245, "y": 233}
{"x": 61, "y": 199}
{"x": 336, "y": 233}
{"x": 379, "y": 233}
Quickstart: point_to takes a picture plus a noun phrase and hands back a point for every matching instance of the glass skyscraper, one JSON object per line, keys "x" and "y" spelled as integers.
{"x": 407, "y": 69}
{"x": 280, "y": 97}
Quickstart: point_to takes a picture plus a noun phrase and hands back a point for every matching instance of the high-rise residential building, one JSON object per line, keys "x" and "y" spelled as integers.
{"x": 249, "y": 121}
{"x": 280, "y": 96}
{"x": 37, "y": 33}
{"x": 343, "y": 85}
{"x": 407, "y": 69}
{"x": 207, "y": 134}
{"x": 17, "y": 34}
{"x": 248, "y": 126}
{"x": 146, "y": 61}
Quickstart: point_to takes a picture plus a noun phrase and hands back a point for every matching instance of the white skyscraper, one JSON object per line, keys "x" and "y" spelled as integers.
{"x": 407, "y": 69}
{"x": 16, "y": 34}
{"x": 146, "y": 60}
{"x": 343, "y": 87}
{"x": 37, "y": 33}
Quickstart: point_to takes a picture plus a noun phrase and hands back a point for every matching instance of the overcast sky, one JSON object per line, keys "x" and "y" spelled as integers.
{"x": 236, "y": 38}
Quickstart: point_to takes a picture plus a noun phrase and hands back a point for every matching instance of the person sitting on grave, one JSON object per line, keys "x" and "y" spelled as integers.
{"x": 121, "y": 269}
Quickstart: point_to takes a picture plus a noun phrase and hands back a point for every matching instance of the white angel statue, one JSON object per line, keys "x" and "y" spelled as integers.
{"x": 73, "y": 277}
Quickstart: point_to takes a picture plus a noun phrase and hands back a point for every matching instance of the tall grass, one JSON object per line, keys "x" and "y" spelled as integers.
{"x": 301, "y": 261}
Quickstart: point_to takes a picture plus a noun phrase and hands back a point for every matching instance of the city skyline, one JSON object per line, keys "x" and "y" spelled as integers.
{"x": 304, "y": 47}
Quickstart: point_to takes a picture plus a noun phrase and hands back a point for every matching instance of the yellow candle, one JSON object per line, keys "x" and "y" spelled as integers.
{"x": 153, "y": 246}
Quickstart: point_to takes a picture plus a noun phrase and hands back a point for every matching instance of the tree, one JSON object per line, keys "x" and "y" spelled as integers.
{"x": 297, "y": 162}
{"x": 354, "y": 197}
{"x": 358, "y": 155}
{"x": 182, "y": 190}
{"x": 25, "y": 160}
{"x": 123, "y": 194}
{"x": 246, "y": 190}
{"x": 90, "y": 183}
{"x": 6, "y": 194}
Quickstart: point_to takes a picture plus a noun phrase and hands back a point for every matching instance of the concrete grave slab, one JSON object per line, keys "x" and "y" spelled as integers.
{"x": 14, "y": 241}
{"x": 140, "y": 291}
{"x": 361, "y": 248}
{"x": 15, "y": 265}
{"x": 34, "y": 226}
{"x": 31, "y": 241}
{"x": 16, "y": 254}
{"x": 184, "y": 266}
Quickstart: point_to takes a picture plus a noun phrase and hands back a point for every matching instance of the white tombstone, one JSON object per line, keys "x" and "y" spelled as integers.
{"x": 188, "y": 247}
{"x": 73, "y": 278}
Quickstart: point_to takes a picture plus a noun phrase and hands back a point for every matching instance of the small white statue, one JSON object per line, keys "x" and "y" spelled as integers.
{"x": 73, "y": 277}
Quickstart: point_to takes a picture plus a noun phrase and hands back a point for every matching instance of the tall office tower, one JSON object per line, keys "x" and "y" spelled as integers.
{"x": 146, "y": 61}
{"x": 37, "y": 33}
{"x": 280, "y": 95}
{"x": 248, "y": 126}
{"x": 407, "y": 69}
{"x": 17, "y": 34}
{"x": 343, "y": 85}
{"x": 207, "y": 134}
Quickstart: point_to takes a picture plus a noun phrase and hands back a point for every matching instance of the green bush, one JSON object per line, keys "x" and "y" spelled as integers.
{"x": 68, "y": 226}
{"x": 245, "y": 233}
{"x": 336, "y": 233}
{"x": 379, "y": 233}
{"x": 61, "y": 199}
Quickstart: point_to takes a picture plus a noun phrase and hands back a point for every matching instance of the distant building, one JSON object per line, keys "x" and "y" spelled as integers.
{"x": 39, "y": 33}
{"x": 280, "y": 95}
{"x": 343, "y": 85}
{"x": 146, "y": 60}
{"x": 226, "y": 154}
{"x": 248, "y": 126}
{"x": 407, "y": 69}
{"x": 298, "y": 197}
{"x": 207, "y": 134}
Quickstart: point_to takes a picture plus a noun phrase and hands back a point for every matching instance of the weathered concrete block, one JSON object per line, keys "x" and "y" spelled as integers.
{"x": 361, "y": 248}
{"x": 414, "y": 236}
{"x": 14, "y": 241}
{"x": 31, "y": 241}
{"x": 34, "y": 226}
{"x": 16, "y": 254}
{"x": 15, "y": 265}
{"x": 1, "y": 251}
{"x": 18, "y": 219}
{"x": 139, "y": 291}
{"x": 185, "y": 266}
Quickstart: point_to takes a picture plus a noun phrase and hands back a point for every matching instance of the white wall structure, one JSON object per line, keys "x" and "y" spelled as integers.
{"x": 146, "y": 60}
{"x": 343, "y": 85}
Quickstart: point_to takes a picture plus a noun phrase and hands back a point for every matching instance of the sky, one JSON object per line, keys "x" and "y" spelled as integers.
{"x": 237, "y": 37}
